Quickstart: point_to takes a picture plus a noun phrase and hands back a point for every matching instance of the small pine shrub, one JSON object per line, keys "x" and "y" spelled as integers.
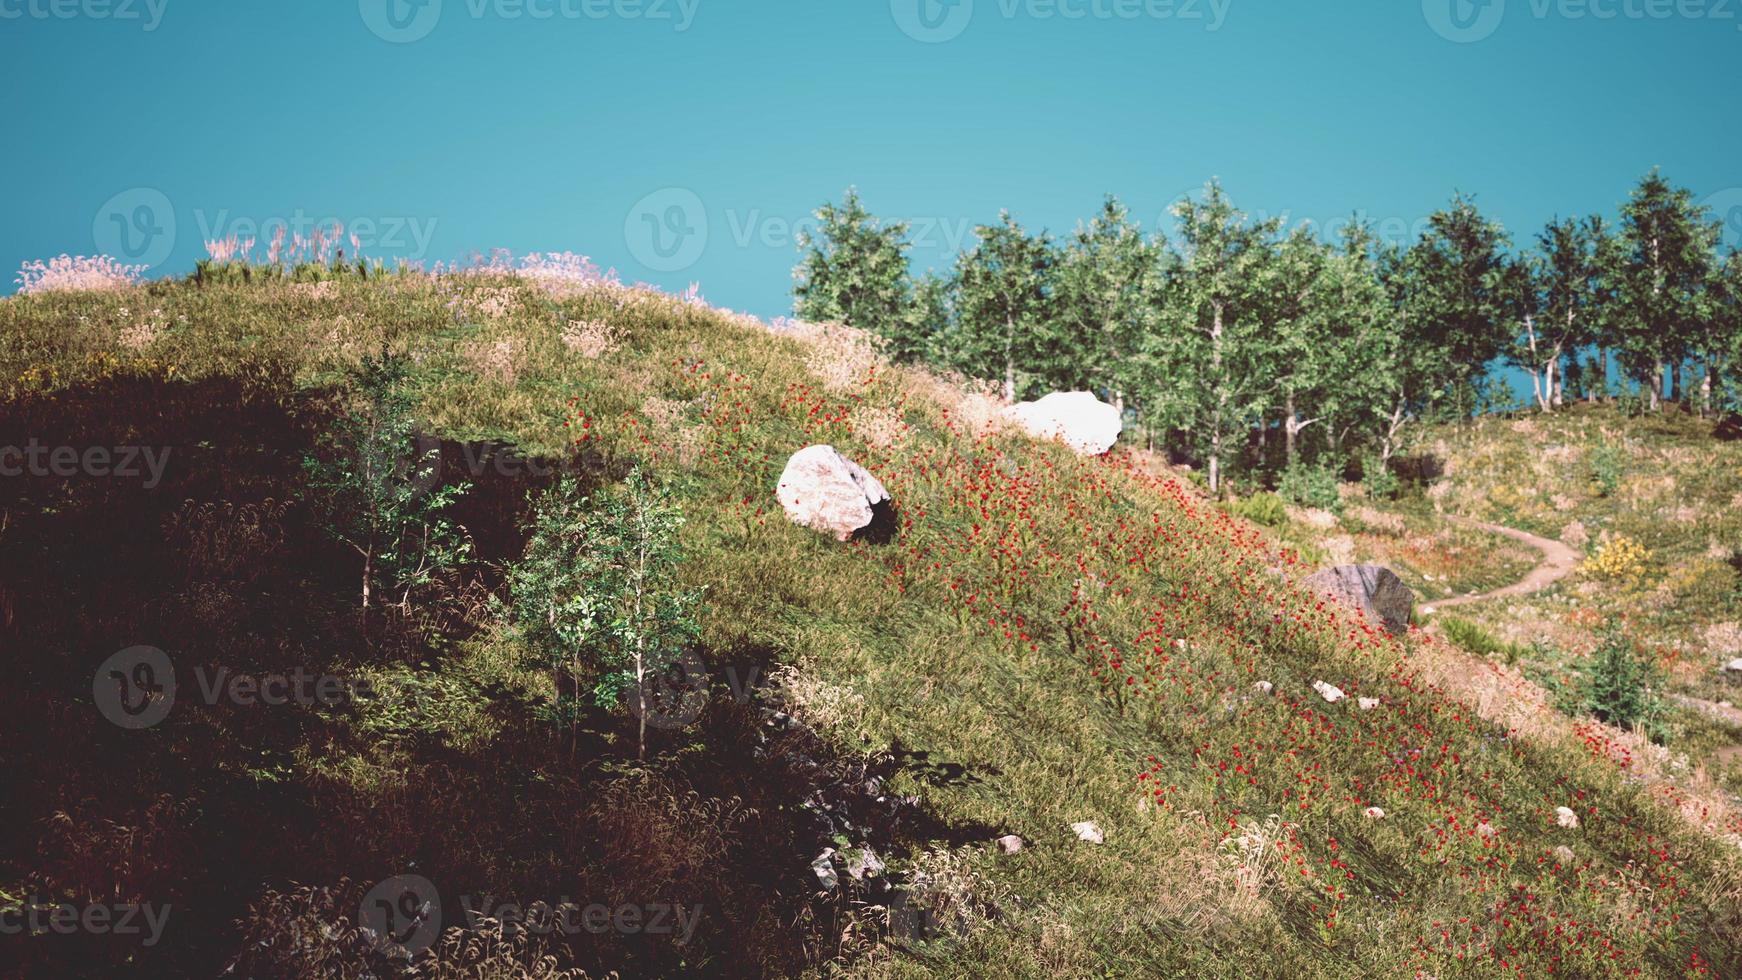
{"x": 1605, "y": 466}
{"x": 1619, "y": 686}
{"x": 1377, "y": 477}
{"x": 1311, "y": 486}
{"x": 1263, "y": 508}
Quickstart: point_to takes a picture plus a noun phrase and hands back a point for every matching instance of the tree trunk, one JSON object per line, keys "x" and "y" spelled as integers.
{"x": 1706, "y": 388}
{"x": 1292, "y": 424}
{"x": 368, "y": 574}
{"x": 1675, "y": 382}
{"x": 1009, "y": 359}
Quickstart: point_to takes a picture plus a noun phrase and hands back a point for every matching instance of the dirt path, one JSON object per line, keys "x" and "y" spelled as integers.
{"x": 1558, "y": 562}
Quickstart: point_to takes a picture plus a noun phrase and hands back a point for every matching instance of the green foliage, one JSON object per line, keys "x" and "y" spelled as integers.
{"x": 373, "y": 484}
{"x": 1619, "y": 685}
{"x": 1379, "y": 479}
{"x": 1311, "y": 486}
{"x": 1605, "y": 466}
{"x": 855, "y": 272}
{"x": 597, "y": 594}
{"x": 1263, "y": 508}
{"x": 1004, "y": 330}
{"x": 1475, "y": 639}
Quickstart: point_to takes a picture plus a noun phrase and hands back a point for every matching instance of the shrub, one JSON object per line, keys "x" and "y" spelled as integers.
{"x": 1619, "y": 686}
{"x": 77, "y": 273}
{"x": 1605, "y": 466}
{"x": 597, "y": 593}
{"x": 1621, "y": 559}
{"x": 1381, "y": 482}
{"x": 1477, "y": 640}
{"x": 372, "y": 485}
{"x": 1263, "y": 508}
{"x": 1311, "y": 486}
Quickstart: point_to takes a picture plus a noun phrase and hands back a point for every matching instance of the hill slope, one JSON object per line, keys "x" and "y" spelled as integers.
{"x": 1045, "y": 640}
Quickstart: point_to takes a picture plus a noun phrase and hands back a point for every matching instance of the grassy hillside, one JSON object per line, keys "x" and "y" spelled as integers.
{"x": 1043, "y": 640}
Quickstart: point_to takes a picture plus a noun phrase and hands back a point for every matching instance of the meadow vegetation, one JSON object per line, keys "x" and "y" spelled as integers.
{"x": 1045, "y": 639}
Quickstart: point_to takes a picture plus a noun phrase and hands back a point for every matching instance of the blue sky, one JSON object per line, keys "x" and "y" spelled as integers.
{"x": 682, "y": 140}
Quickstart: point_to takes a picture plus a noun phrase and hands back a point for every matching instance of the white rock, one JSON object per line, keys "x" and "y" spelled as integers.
{"x": 1373, "y": 813}
{"x": 1263, "y": 687}
{"x": 1079, "y": 419}
{"x": 1566, "y": 817}
{"x": 1367, "y": 704}
{"x": 824, "y": 868}
{"x": 825, "y": 491}
{"x": 1486, "y": 829}
{"x": 1564, "y": 855}
{"x": 1088, "y": 831}
{"x": 1734, "y": 667}
{"x": 1010, "y": 844}
{"x": 1329, "y": 692}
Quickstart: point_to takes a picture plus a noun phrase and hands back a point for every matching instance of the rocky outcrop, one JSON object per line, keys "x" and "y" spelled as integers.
{"x": 1377, "y": 592}
{"x": 1077, "y": 418}
{"x": 825, "y": 491}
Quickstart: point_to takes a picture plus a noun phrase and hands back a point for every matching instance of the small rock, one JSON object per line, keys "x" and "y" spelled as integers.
{"x": 1010, "y": 844}
{"x": 1087, "y": 831}
{"x": 1733, "y": 667}
{"x": 1486, "y": 829}
{"x": 1329, "y": 692}
{"x": 1367, "y": 704}
{"x": 1566, "y": 817}
{"x": 1373, "y": 813}
{"x": 1564, "y": 855}
{"x": 1263, "y": 687}
{"x": 824, "y": 868}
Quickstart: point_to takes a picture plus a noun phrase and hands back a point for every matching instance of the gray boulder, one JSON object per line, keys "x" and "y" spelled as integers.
{"x": 1377, "y": 592}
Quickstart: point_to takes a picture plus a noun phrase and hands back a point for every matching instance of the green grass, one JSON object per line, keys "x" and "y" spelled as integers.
{"x": 1063, "y": 640}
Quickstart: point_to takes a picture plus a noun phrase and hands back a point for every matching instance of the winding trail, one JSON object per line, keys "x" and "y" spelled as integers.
{"x": 1558, "y": 562}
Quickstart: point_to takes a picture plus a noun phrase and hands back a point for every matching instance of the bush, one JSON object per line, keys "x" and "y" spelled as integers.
{"x": 1477, "y": 640}
{"x": 1605, "y": 470}
{"x": 1381, "y": 483}
{"x": 1621, "y": 559}
{"x": 1619, "y": 686}
{"x": 1311, "y": 486}
{"x": 1261, "y": 508}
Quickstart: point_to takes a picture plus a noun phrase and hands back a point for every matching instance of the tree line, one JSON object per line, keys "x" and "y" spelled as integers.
{"x": 1238, "y": 343}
